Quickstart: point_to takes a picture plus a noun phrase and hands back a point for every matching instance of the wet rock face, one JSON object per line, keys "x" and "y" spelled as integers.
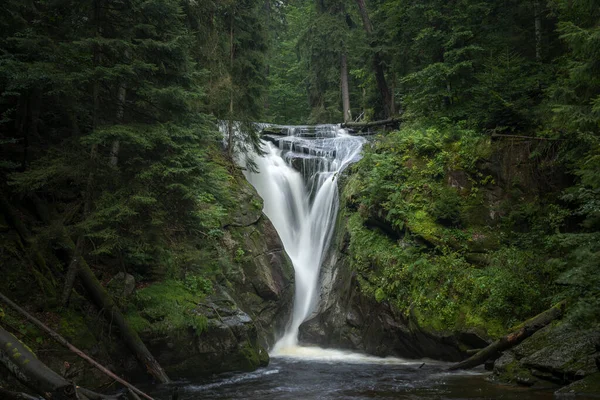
{"x": 262, "y": 277}
{"x": 347, "y": 319}
{"x": 229, "y": 342}
{"x": 559, "y": 354}
{"x": 251, "y": 306}
{"x": 367, "y": 326}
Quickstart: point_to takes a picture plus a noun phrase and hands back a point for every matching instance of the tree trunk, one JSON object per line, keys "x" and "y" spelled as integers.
{"x": 34, "y": 374}
{"x": 58, "y": 338}
{"x": 538, "y": 29}
{"x": 384, "y": 90}
{"x": 365, "y": 125}
{"x": 231, "y": 59}
{"x": 104, "y": 302}
{"x": 30, "y": 371}
{"x": 121, "y": 97}
{"x": 345, "y": 89}
{"x": 114, "y": 151}
{"x": 528, "y": 328}
{"x": 80, "y": 247}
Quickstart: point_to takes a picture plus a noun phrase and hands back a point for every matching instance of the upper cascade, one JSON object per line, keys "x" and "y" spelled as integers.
{"x": 297, "y": 179}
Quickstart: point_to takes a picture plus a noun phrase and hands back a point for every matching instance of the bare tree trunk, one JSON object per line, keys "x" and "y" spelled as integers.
{"x": 384, "y": 91}
{"x": 30, "y": 371}
{"x": 345, "y": 89}
{"x": 393, "y": 122}
{"x": 230, "y": 122}
{"x": 80, "y": 246}
{"x": 393, "y": 94}
{"x": 114, "y": 151}
{"x": 538, "y": 29}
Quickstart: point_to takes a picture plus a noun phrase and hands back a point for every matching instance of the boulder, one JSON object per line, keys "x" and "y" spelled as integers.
{"x": 122, "y": 285}
{"x": 348, "y": 319}
{"x": 560, "y": 353}
{"x": 229, "y": 342}
{"x": 261, "y": 279}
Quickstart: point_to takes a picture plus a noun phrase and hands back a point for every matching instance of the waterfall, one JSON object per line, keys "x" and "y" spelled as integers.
{"x": 297, "y": 179}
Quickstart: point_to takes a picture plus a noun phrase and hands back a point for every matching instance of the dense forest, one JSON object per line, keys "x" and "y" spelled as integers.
{"x": 121, "y": 122}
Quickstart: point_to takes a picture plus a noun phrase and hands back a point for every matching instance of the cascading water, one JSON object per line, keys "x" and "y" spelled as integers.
{"x": 297, "y": 179}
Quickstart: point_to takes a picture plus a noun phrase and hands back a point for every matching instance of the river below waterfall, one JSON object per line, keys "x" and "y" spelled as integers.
{"x": 297, "y": 179}
{"x": 347, "y": 376}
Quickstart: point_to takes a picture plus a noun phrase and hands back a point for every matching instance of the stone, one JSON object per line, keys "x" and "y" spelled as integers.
{"x": 559, "y": 353}
{"x": 262, "y": 281}
{"x": 122, "y": 285}
{"x": 588, "y": 386}
{"x": 228, "y": 343}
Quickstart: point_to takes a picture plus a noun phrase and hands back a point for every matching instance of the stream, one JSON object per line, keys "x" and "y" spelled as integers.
{"x": 351, "y": 376}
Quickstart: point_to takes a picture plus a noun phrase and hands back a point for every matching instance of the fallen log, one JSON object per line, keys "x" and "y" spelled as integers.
{"x": 6, "y": 395}
{"x": 105, "y": 302}
{"x": 272, "y": 130}
{"x": 365, "y": 125}
{"x": 522, "y": 332}
{"x": 58, "y": 338}
{"x": 31, "y": 372}
{"x": 34, "y": 374}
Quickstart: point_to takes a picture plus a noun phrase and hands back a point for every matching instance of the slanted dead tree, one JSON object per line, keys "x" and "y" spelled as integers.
{"x": 98, "y": 294}
{"x": 61, "y": 340}
{"x": 34, "y": 374}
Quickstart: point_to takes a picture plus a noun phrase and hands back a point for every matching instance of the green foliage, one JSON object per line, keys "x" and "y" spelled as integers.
{"x": 413, "y": 237}
{"x": 170, "y": 306}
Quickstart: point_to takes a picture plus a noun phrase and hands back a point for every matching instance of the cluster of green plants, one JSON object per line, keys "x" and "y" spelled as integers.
{"x": 423, "y": 238}
{"x": 110, "y": 122}
{"x": 170, "y": 306}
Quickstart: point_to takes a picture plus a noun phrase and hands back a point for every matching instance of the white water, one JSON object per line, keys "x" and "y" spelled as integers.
{"x": 302, "y": 204}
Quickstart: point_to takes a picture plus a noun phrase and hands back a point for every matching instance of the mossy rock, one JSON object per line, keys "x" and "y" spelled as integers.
{"x": 507, "y": 369}
{"x": 586, "y": 387}
{"x": 559, "y": 353}
{"x": 227, "y": 342}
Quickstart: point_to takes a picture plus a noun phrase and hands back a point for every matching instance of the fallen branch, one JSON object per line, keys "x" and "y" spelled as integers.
{"x": 522, "y": 332}
{"x": 74, "y": 349}
{"x": 499, "y": 135}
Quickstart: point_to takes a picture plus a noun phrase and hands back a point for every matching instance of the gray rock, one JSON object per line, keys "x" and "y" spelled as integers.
{"x": 122, "y": 285}
{"x": 228, "y": 343}
{"x": 262, "y": 281}
{"x": 558, "y": 353}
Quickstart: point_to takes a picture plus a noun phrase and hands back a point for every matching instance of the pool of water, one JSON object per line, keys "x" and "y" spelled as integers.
{"x": 328, "y": 374}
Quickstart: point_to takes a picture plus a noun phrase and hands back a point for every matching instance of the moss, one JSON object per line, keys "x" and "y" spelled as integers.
{"x": 250, "y": 356}
{"x": 168, "y": 306}
{"x": 515, "y": 373}
{"x": 74, "y": 327}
